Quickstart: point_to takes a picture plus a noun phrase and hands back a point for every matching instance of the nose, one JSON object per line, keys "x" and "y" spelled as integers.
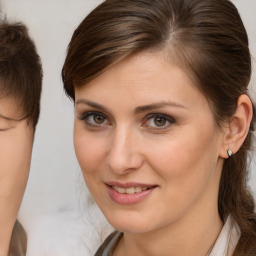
{"x": 124, "y": 155}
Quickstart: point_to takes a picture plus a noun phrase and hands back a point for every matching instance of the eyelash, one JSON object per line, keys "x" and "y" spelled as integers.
{"x": 85, "y": 117}
{"x": 153, "y": 116}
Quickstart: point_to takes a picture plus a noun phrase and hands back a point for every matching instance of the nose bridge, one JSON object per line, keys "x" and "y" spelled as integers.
{"x": 123, "y": 152}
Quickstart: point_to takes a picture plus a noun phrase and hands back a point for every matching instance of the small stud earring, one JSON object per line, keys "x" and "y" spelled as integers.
{"x": 230, "y": 153}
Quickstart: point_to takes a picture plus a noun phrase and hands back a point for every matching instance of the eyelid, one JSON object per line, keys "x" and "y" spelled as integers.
{"x": 5, "y": 129}
{"x": 84, "y": 115}
{"x": 6, "y": 124}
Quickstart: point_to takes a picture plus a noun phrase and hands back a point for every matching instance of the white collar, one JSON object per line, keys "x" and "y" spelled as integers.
{"x": 227, "y": 239}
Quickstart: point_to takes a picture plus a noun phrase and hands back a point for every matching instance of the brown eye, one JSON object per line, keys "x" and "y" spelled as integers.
{"x": 160, "y": 121}
{"x": 98, "y": 119}
{"x": 94, "y": 119}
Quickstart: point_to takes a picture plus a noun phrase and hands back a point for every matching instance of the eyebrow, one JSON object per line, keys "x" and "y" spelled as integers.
{"x": 158, "y": 105}
{"x": 91, "y": 104}
{"x": 137, "y": 110}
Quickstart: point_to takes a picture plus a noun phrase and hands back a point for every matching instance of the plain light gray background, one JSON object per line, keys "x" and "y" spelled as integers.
{"x": 55, "y": 180}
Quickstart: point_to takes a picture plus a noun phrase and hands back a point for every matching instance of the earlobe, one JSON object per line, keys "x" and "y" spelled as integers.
{"x": 238, "y": 127}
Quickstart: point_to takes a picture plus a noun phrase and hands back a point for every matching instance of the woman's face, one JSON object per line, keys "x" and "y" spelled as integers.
{"x": 16, "y": 139}
{"x": 147, "y": 144}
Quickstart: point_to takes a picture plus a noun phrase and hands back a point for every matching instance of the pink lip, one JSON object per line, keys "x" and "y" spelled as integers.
{"x": 128, "y": 199}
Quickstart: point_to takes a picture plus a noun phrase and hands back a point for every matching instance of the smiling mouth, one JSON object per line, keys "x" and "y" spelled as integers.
{"x": 129, "y": 193}
{"x": 131, "y": 190}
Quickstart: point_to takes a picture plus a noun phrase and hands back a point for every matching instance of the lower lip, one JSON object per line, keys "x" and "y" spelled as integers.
{"x": 128, "y": 199}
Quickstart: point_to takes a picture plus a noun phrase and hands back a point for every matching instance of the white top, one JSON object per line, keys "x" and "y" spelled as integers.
{"x": 227, "y": 239}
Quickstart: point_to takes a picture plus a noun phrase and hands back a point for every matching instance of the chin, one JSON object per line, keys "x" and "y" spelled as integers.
{"x": 130, "y": 224}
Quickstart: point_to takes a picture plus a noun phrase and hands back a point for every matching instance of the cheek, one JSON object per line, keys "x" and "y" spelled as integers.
{"x": 187, "y": 156}
{"x": 89, "y": 151}
{"x": 187, "y": 167}
{"x": 91, "y": 157}
{"x": 16, "y": 149}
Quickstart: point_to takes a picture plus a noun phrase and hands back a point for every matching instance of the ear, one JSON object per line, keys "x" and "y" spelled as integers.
{"x": 238, "y": 127}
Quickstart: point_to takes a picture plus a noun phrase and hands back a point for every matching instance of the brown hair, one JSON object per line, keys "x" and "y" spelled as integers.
{"x": 20, "y": 69}
{"x": 205, "y": 38}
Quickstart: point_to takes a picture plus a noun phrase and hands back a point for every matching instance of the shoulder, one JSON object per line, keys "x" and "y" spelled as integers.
{"x": 18, "y": 244}
{"x": 109, "y": 245}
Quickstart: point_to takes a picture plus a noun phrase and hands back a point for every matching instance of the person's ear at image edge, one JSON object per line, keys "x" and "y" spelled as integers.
{"x": 237, "y": 127}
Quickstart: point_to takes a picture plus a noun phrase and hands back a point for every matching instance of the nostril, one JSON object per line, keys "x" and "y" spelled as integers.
{"x": 124, "y": 163}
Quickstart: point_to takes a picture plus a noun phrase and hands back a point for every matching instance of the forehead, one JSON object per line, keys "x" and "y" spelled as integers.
{"x": 142, "y": 79}
{"x": 140, "y": 71}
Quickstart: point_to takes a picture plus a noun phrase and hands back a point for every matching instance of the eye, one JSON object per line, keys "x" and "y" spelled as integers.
{"x": 97, "y": 119}
{"x": 6, "y": 124}
{"x": 94, "y": 119}
{"x": 158, "y": 121}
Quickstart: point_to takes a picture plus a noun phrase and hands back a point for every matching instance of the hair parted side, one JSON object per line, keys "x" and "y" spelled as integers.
{"x": 208, "y": 40}
{"x": 20, "y": 69}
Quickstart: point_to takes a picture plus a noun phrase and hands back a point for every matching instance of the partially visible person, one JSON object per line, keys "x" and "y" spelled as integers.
{"x": 20, "y": 90}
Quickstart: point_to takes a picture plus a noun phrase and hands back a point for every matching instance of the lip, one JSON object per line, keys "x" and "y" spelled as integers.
{"x": 129, "y": 199}
{"x": 129, "y": 184}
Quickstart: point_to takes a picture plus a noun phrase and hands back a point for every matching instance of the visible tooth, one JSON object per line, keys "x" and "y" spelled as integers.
{"x": 130, "y": 190}
{"x": 119, "y": 190}
{"x": 138, "y": 189}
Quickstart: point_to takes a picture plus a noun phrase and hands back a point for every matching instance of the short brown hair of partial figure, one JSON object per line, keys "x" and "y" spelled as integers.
{"x": 20, "y": 69}
{"x": 211, "y": 46}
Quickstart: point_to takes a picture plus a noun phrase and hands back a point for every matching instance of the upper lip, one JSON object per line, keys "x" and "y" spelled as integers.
{"x": 129, "y": 184}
